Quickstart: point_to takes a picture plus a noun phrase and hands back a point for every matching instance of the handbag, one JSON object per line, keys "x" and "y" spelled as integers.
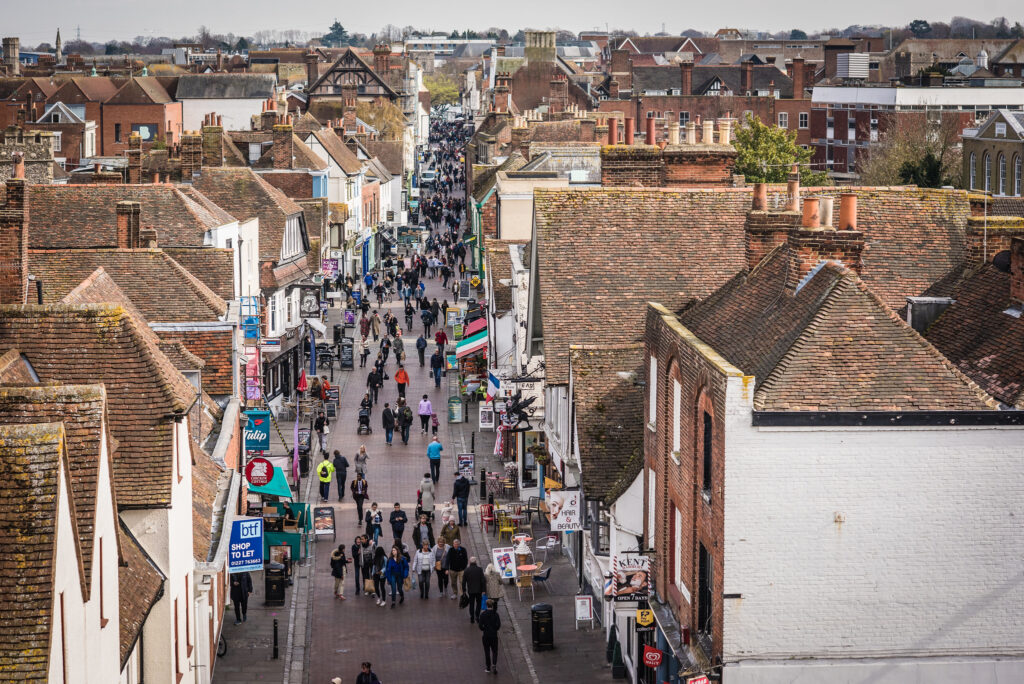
{"x": 463, "y": 601}
{"x": 407, "y": 584}
{"x": 437, "y": 566}
{"x": 327, "y": 429}
{"x": 368, "y": 586}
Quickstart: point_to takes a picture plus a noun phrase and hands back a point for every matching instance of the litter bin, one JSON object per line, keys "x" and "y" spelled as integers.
{"x": 274, "y": 584}
{"x": 338, "y": 332}
{"x": 542, "y": 619}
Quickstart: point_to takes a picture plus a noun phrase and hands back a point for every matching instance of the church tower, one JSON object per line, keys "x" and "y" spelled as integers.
{"x": 59, "y": 54}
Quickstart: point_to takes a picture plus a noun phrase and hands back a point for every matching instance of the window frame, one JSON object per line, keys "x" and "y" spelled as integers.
{"x": 705, "y": 593}
{"x": 677, "y": 419}
{"x": 652, "y": 394}
{"x": 1018, "y": 171}
{"x": 707, "y": 454}
{"x": 803, "y": 120}
{"x": 1001, "y": 169}
{"x": 986, "y": 163}
{"x": 783, "y": 120}
{"x": 973, "y": 171}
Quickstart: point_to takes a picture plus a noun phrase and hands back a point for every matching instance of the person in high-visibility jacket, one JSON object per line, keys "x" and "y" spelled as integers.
{"x": 325, "y": 471}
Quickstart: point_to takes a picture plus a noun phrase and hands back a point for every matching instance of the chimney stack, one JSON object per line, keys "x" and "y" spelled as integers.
{"x": 613, "y": 89}
{"x": 283, "y": 150}
{"x": 12, "y": 56}
{"x": 793, "y": 189}
{"x": 312, "y": 70}
{"x": 651, "y": 133}
{"x": 191, "y": 155}
{"x": 213, "y": 142}
{"x": 673, "y": 133}
{"x": 134, "y": 154}
{"x": 14, "y": 238}
{"x": 798, "y": 78}
{"x": 825, "y": 212}
{"x": 748, "y": 78}
{"x": 128, "y": 224}
{"x": 629, "y": 130}
{"x": 587, "y": 130}
{"x": 147, "y": 237}
{"x": 349, "y": 96}
{"x": 686, "y": 77}
{"x": 725, "y": 131}
{"x": 759, "y": 201}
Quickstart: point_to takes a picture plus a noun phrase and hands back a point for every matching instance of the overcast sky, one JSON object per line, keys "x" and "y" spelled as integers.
{"x": 102, "y": 20}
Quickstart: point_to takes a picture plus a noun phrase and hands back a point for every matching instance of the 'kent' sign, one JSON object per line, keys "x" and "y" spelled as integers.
{"x": 257, "y": 431}
{"x": 246, "y": 551}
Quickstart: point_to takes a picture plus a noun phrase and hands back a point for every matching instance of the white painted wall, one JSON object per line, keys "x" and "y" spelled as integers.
{"x": 236, "y": 113}
{"x": 66, "y": 580}
{"x": 923, "y": 567}
{"x": 166, "y": 535}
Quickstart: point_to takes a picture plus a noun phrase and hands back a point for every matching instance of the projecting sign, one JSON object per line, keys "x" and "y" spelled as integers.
{"x": 257, "y": 431}
{"x": 259, "y": 472}
{"x": 246, "y": 551}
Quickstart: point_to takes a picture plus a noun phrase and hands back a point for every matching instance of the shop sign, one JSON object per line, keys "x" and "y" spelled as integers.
{"x": 258, "y": 472}
{"x": 632, "y": 577}
{"x": 245, "y": 553}
{"x": 699, "y": 679}
{"x": 455, "y": 410}
{"x": 644, "y": 620}
{"x": 257, "y": 431}
{"x": 565, "y": 508}
{"x": 329, "y": 267}
{"x": 504, "y": 561}
{"x": 466, "y": 464}
{"x": 486, "y": 417}
{"x": 584, "y": 608}
{"x": 653, "y": 657}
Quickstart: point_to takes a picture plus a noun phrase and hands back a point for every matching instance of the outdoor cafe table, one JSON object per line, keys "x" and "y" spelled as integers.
{"x": 527, "y": 568}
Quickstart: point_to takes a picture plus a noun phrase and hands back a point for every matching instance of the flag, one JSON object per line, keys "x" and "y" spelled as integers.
{"x": 493, "y": 385}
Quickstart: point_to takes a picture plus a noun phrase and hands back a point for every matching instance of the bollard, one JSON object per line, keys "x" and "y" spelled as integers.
{"x": 483, "y": 483}
{"x": 275, "y": 638}
{"x": 472, "y": 442}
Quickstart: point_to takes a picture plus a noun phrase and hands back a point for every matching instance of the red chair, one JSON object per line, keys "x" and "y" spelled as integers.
{"x": 486, "y": 516}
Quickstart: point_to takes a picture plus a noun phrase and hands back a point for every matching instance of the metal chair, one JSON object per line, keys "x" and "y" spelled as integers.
{"x": 547, "y": 543}
{"x": 505, "y": 526}
{"x": 543, "y": 579}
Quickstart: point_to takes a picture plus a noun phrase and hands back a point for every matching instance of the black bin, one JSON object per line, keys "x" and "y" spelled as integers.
{"x": 338, "y": 332}
{"x": 274, "y": 583}
{"x": 542, "y": 620}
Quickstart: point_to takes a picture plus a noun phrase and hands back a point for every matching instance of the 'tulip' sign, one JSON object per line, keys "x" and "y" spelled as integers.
{"x": 257, "y": 431}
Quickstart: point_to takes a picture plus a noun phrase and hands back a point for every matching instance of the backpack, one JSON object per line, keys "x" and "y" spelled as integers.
{"x": 323, "y": 470}
{"x": 406, "y": 414}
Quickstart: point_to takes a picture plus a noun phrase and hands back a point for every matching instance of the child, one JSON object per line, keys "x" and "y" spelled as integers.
{"x": 433, "y": 423}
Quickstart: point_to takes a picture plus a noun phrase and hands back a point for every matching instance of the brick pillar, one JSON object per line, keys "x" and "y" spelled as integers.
{"x": 191, "y": 155}
{"x": 349, "y": 96}
{"x": 312, "y": 70}
{"x": 128, "y": 224}
{"x": 1017, "y": 269}
{"x": 588, "y": 130}
{"x": 686, "y": 78}
{"x": 810, "y": 246}
{"x": 213, "y": 145}
{"x": 134, "y": 154}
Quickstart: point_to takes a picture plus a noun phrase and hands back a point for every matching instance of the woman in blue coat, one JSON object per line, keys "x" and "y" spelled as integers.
{"x": 395, "y": 573}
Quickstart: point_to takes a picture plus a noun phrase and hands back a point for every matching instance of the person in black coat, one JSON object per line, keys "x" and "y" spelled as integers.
{"x": 388, "y": 420}
{"x": 475, "y": 584}
{"x": 422, "y": 531}
{"x": 241, "y": 587}
{"x": 340, "y": 472}
{"x": 398, "y": 519}
{"x": 374, "y": 381}
{"x": 490, "y": 623}
{"x": 339, "y": 567}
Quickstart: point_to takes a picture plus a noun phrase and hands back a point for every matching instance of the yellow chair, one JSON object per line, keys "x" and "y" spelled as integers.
{"x": 505, "y": 526}
{"x": 525, "y": 582}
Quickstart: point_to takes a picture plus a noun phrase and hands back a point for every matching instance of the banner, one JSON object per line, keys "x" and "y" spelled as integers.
{"x": 329, "y": 267}
{"x": 504, "y": 561}
{"x": 652, "y": 656}
{"x": 246, "y": 551}
{"x": 252, "y": 374}
{"x": 257, "y": 431}
{"x": 565, "y": 509}
{"x": 632, "y": 577}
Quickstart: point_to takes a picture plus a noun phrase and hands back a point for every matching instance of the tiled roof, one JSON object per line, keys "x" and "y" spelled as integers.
{"x": 225, "y": 86}
{"x": 647, "y": 78}
{"x": 31, "y": 458}
{"x": 220, "y": 216}
{"x": 141, "y": 90}
{"x": 205, "y": 485}
{"x": 75, "y": 216}
{"x": 483, "y": 182}
{"x": 141, "y": 585}
{"x": 180, "y": 356}
{"x": 390, "y": 154}
{"x": 94, "y": 88}
{"x": 82, "y": 411}
{"x": 499, "y": 264}
{"x": 15, "y": 368}
{"x": 603, "y": 253}
{"x": 338, "y": 151}
{"x": 609, "y": 418}
{"x": 985, "y": 343}
{"x": 245, "y": 195}
{"x": 88, "y": 344}
{"x": 307, "y": 123}
{"x": 214, "y": 266}
{"x": 161, "y": 288}
{"x": 302, "y": 157}
{"x": 830, "y": 346}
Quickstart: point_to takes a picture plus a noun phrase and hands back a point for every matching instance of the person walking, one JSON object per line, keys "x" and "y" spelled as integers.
{"x": 364, "y": 327}
{"x": 422, "y": 532}
{"x": 388, "y": 420}
{"x": 366, "y": 675}
{"x": 402, "y": 380}
{"x": 422, "y": 565}
{"x": 375, "y": 380}
{"x": 378, "y": 561}
{"x": 357, "y": 564}
{"x": 433, "y": 424}
{"x": 374, "y": 519}
{"x": 440, "y": 552}
{"x": 490, "y": 623}
{"x": 340, "y": 472}
{"x": 361, "y": 458}
{"x": 325, "y": 472}
{"x": 495, "y": 589}
{"x": 428, "y": 320}
{"x": 321, "y": 426}
{"x": 460, "y": 492}
{"x": 375, "y": 324}
{"x": 398, "y": 519}
{"x": 427, "y": 497}
{"x": 241, "y": 587}
{"x": 458, "y": 561}
{"x": 359, "y": 492}
{"x": 450, "y": 532}
{"x": 364, "y": 351}
{"x": 339, "y": 566}
{"x": 434, "y": 450}
{"x": 395, "y": 572}
{"x": 475, "y": 584}
{"x": 425, "y": 410}
{"x": 436, "y": 366}
{"x": 404, "y": 419}
{"x": 421, "y": 348}
{"x": 441, "y": 339}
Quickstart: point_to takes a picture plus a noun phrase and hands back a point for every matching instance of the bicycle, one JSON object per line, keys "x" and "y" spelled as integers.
{"x": 222, "y": 647}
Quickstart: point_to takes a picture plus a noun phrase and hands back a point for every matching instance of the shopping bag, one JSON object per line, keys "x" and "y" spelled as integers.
{"x": 407, "y": 584}
{"x": 368, "y": 586}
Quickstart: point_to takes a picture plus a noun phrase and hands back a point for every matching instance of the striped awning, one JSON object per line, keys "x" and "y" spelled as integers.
{"x": 471, "y": 344}
{"x": 475, "y": 327}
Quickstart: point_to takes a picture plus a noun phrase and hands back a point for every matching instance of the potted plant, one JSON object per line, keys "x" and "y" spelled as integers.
{"x": 540, "y": 453}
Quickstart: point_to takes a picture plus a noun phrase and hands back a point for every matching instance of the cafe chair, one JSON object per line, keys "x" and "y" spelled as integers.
{"x": 543, "y": 579}
{"x": 505, "y": 526}
{"x": 486, "y": 516}
{"x": 526, "y": 582}
{"x": 549, "y": 542}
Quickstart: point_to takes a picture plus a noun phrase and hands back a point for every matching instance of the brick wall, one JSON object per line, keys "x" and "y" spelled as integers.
{"x": 632, "y": 166}
{"x": 809, "y": 247}
{"x": 985, "y": 239}
{"x": 765, "y": 230}
{"x": 696, "y": 167}
{"x": 676, "y": 166}
{"x": 489, "y": 216}
{"x": 702, "y": 388}
{"x": 213, "y": 347}
{"x": 126, "y": 115}
{"x": 294, "y": 184}
{"x": 1017, "y": 269}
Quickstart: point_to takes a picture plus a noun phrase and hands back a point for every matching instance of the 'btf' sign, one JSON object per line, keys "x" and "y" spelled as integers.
{"x": 250, "y": 530}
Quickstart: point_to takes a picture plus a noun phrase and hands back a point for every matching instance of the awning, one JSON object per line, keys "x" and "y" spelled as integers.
{"x": 278, "y": 486}
{"x": 475, "y": 327}
{"x": 551, "y": 484}
{"x": 470, "y": 344}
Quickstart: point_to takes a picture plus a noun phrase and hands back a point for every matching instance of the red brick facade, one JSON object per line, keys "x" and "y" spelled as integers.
{"x": 294, "y": 184}
{"x": 14, "y": 244}
{"x": 675, "y": 166}
{"x": 118, "y": 120}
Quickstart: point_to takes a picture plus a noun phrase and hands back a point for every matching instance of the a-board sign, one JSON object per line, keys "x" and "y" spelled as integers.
{"x": 466, "y": 464}
{"x": 505, "y": 561}
{"x": 323, "y": 521}
{"x": 347, "y": 353}
{"x": 455, "y": 410}
{"x": 486, "y": 417}
{"x": 464, "y": 289}
{"x": 333, "y": 394}
{"x": 245, "y": 554}
{"x": 584, "y": 608}
{"x": 457, "y": 331}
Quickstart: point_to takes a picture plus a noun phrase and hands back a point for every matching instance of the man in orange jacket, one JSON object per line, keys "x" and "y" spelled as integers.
{"x": 402, "y": 380}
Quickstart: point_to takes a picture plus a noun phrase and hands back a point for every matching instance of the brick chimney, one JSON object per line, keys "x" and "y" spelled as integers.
{"x": 381, "y": 53}
{"x": 810, "y": 244}
{"x": 14, "y": 238}
{"x": 128, "y": 224}
{"x": 613, "y": 89}
{"x": 797, "y": 74}
{"x": 501, "y": 98}
{"x": 349, "y": 96}
{"x": 632, "y": 166}
{"x": 765, "y": 228}
{"x": 283, "y": 146}
{"x": 312, "y": 69}
{"x": 191, "y": 155}
{"x": 558, "y": 99}
{"x": 213, "y": 142}
{"x": 12, "y": 56}
{"x": 147, "y": 237}
{"x": 269, "y": 115}
{"x": 629, "y": 130}
{"x": 748, "y": 78}
{"x": 588, "y": 130}
{"x": 134, "y": 154}
{"x": 686, "y": 77}
{"x": 1017, "y": 269}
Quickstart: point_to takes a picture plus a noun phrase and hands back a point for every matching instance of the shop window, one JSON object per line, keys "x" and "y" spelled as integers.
{"x": 600, "y": 539}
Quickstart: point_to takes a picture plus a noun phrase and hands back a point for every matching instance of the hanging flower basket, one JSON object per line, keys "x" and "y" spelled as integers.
{"x": 540, "y": 454}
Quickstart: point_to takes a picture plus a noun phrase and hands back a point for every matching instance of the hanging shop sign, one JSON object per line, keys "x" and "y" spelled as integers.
{"x": 632, "y": 577}
{"x": 644, "y": 620}
{"x": 259, "y": 472}
{"x": 653, "y": 657}
{"x": 565, "y": 508}
{"x": 257, "y": 431}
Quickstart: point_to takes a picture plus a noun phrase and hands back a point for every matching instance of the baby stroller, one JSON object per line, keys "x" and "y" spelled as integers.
{"x": 364, "y": 422}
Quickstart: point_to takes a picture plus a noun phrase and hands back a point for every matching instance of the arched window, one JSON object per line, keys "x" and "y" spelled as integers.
{"x": 973, "y": 171}
{"x": 987, "y": 162}
{"x": 1002, "y": 174}
{"x": 1017, "y": 176}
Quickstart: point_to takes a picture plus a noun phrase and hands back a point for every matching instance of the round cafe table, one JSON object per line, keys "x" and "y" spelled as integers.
{"x": 530, "y": 567}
